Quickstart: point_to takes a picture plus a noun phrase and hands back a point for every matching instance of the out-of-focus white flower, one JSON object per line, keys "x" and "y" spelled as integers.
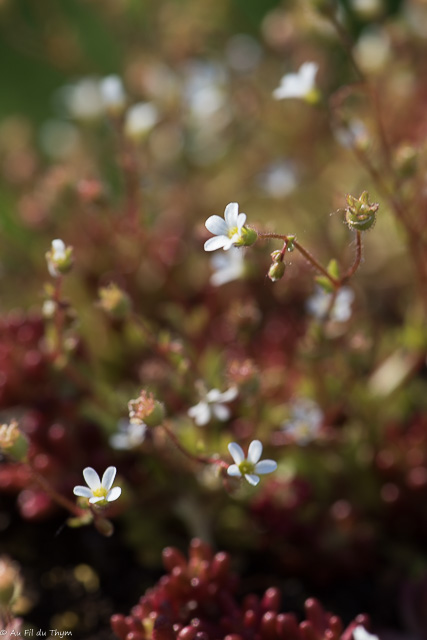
{"x": 249, "y": 467}
{"x": 227, "y": 266}
{"x": 112, "y": 93}
{"x": 373, "y": 49}
{"x": 360, "y": 633}
{"x": 213, "y": 405}
{"x": 305, "y": 422}
{"x": 49, "y": 308}
{"x": 279, "y": 179}
{"x": 140, "y": 119}
{"x": 299, "y": 85}
{"x": 227, "y": 231}
{"x": 59, "y": 258}
{"x": 130, "y": 435}
{"x": 318, "y": 304}
{"x": 98, "y": 492}
{"x": 354, "y": 135}
{"x": 367, "y": 9}
{"x": 83, "y": 99}
{"x": 204, "y": 89}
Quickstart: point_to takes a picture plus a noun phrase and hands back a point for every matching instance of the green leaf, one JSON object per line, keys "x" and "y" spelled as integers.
{"x": 325, "y": 283}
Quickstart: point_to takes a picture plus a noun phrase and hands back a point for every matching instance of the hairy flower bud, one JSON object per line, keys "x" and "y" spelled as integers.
{"x": 277, "y": 268}
{"x": 10, "y": 582}
{"x": 145, "y": 409}
{"x": 248, "y": 237}
{"x": 360, "y": 214}
{"x": 114, "y": 301}
{"x": 13, "y": 441}
{"x": 59, "y": 258}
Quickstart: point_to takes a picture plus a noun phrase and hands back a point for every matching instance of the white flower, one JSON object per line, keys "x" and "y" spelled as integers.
{"x": 279, "y": 179}
{"x": 130, "y": 435}
{"x": 228, "y": 231}
{"x": 99, "y": 492}
{"x": 305, "y": 422}
{"x": 212, "y": 404}
{"x": 83, "y": 99}
{"x": 318, "y": 304}
{"x": 140, "y": 118}
{"x": 251, "y": 466}
{"x": 227, "y": 267}
{"x": 360, "y": 633}
{"x": 112, "y": 93}
{"x": 59, "y": 258}
{"x": 298, "y": 85}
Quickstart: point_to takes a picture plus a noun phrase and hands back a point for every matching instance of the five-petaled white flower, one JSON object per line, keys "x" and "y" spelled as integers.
{"x": 251, "y": 466}
{"x": 360, "y": 633}
{"x": 212, "y": 404}
{"x": 98, "y": 492}
{"x": 299, "y": 85}
{"x": 305, "y": 422}
{"x": 227, "y": 231}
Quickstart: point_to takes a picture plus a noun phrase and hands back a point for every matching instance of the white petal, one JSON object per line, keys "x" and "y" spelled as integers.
{"x": 228, "y": 395}
{"x": 241, "y": 219}
{"x": 108, "y": 477}
{"x": 231, "y": 214}
{"x": 255, "y": 451}
{"x": 213, "y": 395}
{"x": 92, "y": 478}
{"x": 83, "y": 492}
{"x": 120, "y": 441}
{"x": 252, "y": 479}
{"x": 266, "y": 466}
{"x": 217, "y": 242}
{"x": 216, "y": 225}
{"x": 114, "y": 494}
{"x": 308, "y": 72}
{"x": 94, "y": 500}
{"x": 229, "y": 242}
{"x": 233, "y": 470}
{"x": 236, "y": 452}
{"x": 201, "y": 413}
{"x": 221, "y": 412}
{"x": 58, "y": 246}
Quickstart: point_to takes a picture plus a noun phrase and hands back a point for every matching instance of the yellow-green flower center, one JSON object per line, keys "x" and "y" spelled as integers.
{"x": 246, "y": 467}
{"x": 233, "y": 231}
{"x": 100, "y": 492}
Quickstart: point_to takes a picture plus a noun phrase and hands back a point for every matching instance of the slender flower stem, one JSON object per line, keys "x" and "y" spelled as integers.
{"x": 350, "y": 273}
{"x": 307, "y": 255}
{"x": 58, "y": 318}
{"x": 188, "y": 454}
{"x": 53, "y": 494}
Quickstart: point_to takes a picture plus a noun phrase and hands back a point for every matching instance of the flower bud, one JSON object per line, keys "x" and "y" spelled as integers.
{"x": 13, "y": 441}
{"x": 113, "y": 94}
{"x": 276, "y": 271}
{"x": 10, "y": 582}
{"x": 406, "y": 160}
{"x": 360, "y": 214}
{"x": 145, "y": 409}
{"x": 114, "y": 301}
{"x": 59, "y": 258}
{"x": 248, "y": 237}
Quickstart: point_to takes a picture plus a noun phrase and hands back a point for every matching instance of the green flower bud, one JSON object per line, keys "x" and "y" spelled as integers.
{"x": 276, "y": 271}
{"x": 406, "y": 160}
{"x": 145, "y": 409}
{"x": 114, "y": 301}
{"x": 248, "y": 237}
{"x": 360, "y": 214}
